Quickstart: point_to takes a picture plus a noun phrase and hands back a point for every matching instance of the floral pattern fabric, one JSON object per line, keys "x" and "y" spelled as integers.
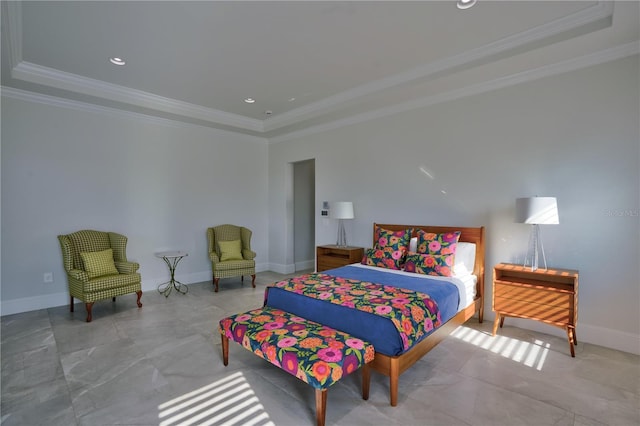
{"x": 395, "y": 242}
{"x": 413, "y": 314}
{"x": 314, "y": 353}
{"x": 438, "y": 244}
{"x": 429, "y": 264}
{"x": 382, "y": 258}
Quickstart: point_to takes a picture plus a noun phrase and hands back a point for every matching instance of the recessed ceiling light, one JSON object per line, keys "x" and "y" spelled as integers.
{"x": 117, "y": 61}
{"x": 292, "y": 99}
{"x": 466, "y": 4}
{"x": 249, "y": 100}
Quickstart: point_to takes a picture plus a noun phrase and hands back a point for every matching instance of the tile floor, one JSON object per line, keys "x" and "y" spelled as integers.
{"x": 162, "y": 365}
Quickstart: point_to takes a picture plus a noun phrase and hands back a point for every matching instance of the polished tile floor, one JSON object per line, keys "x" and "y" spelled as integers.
{"x": 162, "y": 365}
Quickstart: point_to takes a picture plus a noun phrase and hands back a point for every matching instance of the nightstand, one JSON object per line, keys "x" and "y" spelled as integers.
{"x": 546, "y": 295}
{"x": 332, "y": 256}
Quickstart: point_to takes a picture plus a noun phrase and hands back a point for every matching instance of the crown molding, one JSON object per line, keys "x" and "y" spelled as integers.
{"x": 87, "y": 86}
{"x": 595, "y": 13}
{"x": 27, "y": 96}
{"x": 12, "y": 18}
{"x": 603, "y": 56}
{"x": 26, "y": 71}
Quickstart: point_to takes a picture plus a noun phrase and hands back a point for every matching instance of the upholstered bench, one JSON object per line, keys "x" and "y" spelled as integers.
{"x": 314, "y": 353}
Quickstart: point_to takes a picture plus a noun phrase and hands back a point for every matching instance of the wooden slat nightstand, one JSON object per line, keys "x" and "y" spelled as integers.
{"x": 546, "y": 295}
{"x": 332, "y": 256}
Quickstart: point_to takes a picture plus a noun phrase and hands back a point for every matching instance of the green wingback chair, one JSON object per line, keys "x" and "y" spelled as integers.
{"x": 97, "y": 267}
{"x": 230, "y": 253}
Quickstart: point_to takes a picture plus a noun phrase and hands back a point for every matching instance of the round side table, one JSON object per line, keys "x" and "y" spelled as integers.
{"x": 172, "y": 258}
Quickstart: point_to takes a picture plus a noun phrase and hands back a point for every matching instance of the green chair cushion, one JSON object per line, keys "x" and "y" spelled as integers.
{"x": 99, "y": 263}
{"x": 230, "y": 250}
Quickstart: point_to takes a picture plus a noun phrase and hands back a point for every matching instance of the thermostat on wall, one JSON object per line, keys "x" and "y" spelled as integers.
{"x": 325, "y": 209}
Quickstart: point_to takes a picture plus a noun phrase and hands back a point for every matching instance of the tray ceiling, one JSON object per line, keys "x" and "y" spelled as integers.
{"x": 306, "y": 64}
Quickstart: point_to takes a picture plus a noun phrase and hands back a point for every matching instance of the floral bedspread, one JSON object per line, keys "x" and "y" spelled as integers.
{"x": 412, "y": 313}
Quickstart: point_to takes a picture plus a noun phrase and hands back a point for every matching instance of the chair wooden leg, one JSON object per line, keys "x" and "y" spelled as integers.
{"x": 321, "y": 406}
{"x": 215, "y": 283}
{"x": 71, "y": 305}
{"x": 253, "y": 280}
{"x": 139, "y": 293}
{"x": 113, "y": 299}
{"x": 89, "y": 306}
{"x": 241, "y": 278}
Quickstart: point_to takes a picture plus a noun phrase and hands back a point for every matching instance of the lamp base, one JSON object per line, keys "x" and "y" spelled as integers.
{"x": 535, "y": 249}
{"x": 342, "y": 234}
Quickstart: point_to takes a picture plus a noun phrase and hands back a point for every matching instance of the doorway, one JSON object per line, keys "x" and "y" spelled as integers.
{"x": 304, "y": 222}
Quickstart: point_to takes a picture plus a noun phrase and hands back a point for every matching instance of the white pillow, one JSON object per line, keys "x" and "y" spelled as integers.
{"x": 465, "y": 259}
{"x": 413, "y": 245}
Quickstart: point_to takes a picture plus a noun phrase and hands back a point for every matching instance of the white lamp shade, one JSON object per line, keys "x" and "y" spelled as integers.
{"x": 342, "y": 210}
{"x": 537, "y": 211}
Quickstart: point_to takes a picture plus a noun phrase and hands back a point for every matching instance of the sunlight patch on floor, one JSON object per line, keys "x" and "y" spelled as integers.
{"x": 229, "y": 401}
{"x": 530, "y": 354}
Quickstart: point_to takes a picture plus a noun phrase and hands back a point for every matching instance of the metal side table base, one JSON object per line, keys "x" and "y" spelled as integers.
{"x": 172, "y": 258}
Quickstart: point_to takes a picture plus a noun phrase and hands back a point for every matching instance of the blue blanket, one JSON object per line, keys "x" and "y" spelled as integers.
{"x": 367, "y": 326}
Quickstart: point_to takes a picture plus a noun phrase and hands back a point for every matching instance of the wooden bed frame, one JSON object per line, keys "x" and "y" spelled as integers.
{"x": 393, "y": 366}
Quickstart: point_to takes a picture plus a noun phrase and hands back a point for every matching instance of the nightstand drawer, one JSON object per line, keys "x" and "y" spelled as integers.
{"x": 328, "y": 262}
{"x": 525, "y": 309}
{"x": 540, "y": 296}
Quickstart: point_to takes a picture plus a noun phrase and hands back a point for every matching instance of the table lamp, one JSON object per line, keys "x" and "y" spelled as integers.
{"x": 536, "y": 211}
{"x": 342, "y": 210}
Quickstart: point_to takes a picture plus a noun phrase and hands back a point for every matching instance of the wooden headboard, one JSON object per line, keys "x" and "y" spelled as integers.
{"x": 467, "y": 234}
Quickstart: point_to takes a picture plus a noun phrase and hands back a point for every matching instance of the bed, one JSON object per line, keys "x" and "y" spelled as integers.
{"x": 399, "y": 338}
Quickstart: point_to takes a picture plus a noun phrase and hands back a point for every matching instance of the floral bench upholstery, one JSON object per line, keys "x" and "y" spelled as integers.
{"x": 314, "y": 353}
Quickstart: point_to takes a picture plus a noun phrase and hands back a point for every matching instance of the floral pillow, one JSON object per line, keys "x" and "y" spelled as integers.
{"x": 396, "y": 241}
{"x": 438, "y": 244}
{"x": 429, "y": 264}
{"x": 383, "y": 258}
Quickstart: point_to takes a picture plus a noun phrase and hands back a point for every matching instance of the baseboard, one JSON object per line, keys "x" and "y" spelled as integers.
{"x": 27, "y": 304}
{"x": 306, "y": 264}
{"x": 615, "y": 339}
{"x": 601, "y": 336}
{"x": 290, "y": 269}
{"x": 282, "y": 269}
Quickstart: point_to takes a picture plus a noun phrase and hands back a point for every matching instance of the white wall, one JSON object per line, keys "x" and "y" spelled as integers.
{"x": 158, "y": 182}
{"x": 573, "y": 136}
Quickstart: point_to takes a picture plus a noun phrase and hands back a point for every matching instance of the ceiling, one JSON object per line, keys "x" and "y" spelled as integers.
{"x": 308, "y": 65}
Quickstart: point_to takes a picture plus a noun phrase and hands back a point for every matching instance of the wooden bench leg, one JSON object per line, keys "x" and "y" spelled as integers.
{"x": 366, "y": 381}
{"x": 321, "y": 406}
{"x": 225, "y": 350}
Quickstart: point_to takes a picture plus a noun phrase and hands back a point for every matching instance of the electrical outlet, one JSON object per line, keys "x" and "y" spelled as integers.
{"x": 48, "y": 277}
